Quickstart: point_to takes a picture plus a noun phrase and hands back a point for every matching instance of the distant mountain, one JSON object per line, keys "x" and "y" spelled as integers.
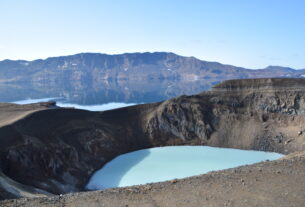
{"x": 94, "y": 68}
{"x": 92, "y": 78}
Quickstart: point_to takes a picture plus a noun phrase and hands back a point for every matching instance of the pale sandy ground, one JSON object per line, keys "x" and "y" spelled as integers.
{"x": 10, "y": 113}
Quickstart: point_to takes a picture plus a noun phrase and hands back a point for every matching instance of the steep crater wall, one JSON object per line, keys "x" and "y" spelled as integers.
{"x": 57, "y": 150}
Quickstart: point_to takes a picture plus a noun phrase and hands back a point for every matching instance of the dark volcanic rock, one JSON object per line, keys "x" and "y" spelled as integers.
{"x": 180, "y": 119}
{"x": 57, "y": 149}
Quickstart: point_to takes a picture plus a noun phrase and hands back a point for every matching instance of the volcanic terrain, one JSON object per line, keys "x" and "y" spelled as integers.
{"x": 46, "y": 150}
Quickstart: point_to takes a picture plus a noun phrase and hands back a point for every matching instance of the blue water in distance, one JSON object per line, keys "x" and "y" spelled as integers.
{"x": 166, "y": 163}
{"x": 61, "y": 103}
{"x": 100, "y": 107}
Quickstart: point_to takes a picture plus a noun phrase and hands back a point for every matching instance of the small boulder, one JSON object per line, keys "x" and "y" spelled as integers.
{"x": 174, "y": 181}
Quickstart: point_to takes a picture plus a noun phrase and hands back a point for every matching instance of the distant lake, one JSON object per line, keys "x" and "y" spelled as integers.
{"x": 166, "y": 163}
{"x": 116, "y": 91}
{"x": 60, "y": 102}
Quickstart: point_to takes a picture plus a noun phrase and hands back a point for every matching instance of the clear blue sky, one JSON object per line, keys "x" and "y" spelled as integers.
{"x": 249, "y": 33}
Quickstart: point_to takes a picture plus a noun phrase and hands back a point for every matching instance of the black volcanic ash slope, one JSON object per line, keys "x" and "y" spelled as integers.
{"x": 57, "y": 150}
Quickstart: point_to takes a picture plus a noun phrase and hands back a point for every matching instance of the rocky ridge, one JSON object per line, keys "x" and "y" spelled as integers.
{"x": 95, "y": 68}
{"x": 56, "y": 150}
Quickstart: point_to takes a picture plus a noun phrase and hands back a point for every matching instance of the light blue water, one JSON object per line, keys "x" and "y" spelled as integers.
{"x": 101, "y": 107}
{"x": 166, "y": 163}
{"x": 59, "y": 102}
{"x": 163, "y": 163}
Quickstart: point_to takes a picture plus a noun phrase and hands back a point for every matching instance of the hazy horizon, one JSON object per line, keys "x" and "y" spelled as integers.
{"x": 250, "y": 34}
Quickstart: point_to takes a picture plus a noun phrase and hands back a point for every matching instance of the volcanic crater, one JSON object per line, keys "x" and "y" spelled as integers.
{"x": 47, "y": 151}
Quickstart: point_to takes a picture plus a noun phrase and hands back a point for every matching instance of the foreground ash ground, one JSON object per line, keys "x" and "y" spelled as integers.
{"x": 47, "y": 151}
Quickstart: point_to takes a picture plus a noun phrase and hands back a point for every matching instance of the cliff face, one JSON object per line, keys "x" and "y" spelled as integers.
{"x": 57, "y": 150}
{"x": 262, "y": 114}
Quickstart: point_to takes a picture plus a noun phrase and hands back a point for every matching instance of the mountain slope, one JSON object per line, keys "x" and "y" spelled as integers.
{"x": 95, "y": 68}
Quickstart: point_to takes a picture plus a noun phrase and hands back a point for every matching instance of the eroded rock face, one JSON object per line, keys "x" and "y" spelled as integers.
{"x": 181, "y": 119}
{"x": 57, "y": 150}
{"x": 258, "y": 114}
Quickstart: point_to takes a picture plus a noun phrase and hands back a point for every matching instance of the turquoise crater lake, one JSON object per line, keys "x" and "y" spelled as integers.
{"x": 166, "y": 163}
